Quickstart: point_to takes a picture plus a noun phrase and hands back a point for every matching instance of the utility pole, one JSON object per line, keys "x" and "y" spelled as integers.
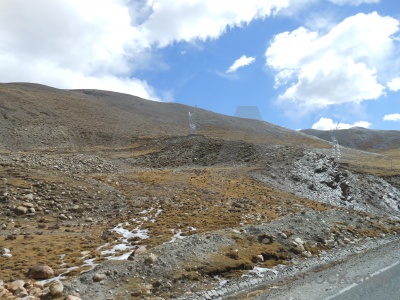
{"x": 192, "y": 123}
{"x": 336, "y": 146}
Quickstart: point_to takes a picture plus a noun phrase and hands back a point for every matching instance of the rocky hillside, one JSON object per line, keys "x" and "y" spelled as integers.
{"x": 161, "y": 214}
{"x": 360, "y": 138}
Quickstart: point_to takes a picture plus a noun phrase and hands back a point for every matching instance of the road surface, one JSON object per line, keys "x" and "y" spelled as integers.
{"x": 367, "y": 276}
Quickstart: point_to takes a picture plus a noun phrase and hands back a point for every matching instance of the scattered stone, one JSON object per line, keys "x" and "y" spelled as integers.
{"x": 63, "y": 217}
{"x": 140, "y": 250}
{"x": 151, "y": 259}
{"x": 260, "y": 258}
{"x": 56, "y": 289}
{"x": 89, "y": 220}
{"x": 71, "y": 297}
{"x": 282, "y": 234}
{"x": 13, "y": 286}
{"x": 28, "y": 205}
{"x": 4, "y": 250}
{"x": 136, "y": 292}
{"x": 99, "y": 277}
{"x": 85, "y": 253}
{"x": 21, "y": 210}
{"x": 299, "y": 241}
{"x": 40, "y": 272}
{"x": 21, "y": 292}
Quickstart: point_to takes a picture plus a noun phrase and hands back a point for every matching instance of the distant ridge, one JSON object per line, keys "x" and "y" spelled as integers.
{"x": 361, "y": 138}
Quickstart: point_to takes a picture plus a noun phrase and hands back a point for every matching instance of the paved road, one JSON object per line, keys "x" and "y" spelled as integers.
{"x": 386, "y": 286}
{"x": 373, "y": 275}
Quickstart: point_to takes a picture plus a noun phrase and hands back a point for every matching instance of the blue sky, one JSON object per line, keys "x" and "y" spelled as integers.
{"x": 303, "y": 63}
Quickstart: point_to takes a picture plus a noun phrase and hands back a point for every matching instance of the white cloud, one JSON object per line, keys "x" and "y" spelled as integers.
{"x": 392, "y": 117}
{"x": 240, "y": 62}
{"x": 340, "y": 66}
{"x": 328, "y": 124}
{"x": 181, "y": 20}
{"x": 394, "y": 84}
{"x": 100, "y": 44}
{"x": 69, "y": 44}
{"x": 353, "y": 2}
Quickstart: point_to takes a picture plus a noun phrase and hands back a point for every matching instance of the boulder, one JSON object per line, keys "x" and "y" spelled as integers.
{"x": 99, "y": 277}
{"x": 139, "y": 251}
{"x": 56, "y": 289}
{"x": 21, "y": 210}
{"x": 40, "y": 272}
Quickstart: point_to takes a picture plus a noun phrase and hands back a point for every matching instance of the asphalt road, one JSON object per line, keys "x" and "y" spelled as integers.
{"x": 386, "y": 286}
{"x": 373, "y": 275}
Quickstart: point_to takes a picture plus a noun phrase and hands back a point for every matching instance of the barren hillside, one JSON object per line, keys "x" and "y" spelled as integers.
{"x": 38, "y": 117}
{"x": 112, "y": 193}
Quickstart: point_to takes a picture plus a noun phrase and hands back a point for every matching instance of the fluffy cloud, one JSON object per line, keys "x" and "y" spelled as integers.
{"x": 337, "y": 67}
{"x": 69, "y": 44}
{"x": 100, "y": 44}
{"x": 353, "y": 2}
{"x": 328, "y": 124}
{"x": 182, "y": 20}
{"x": 392, "y": 117}
{"x": 394, "y": 84}
{"x": 240, "y": 62}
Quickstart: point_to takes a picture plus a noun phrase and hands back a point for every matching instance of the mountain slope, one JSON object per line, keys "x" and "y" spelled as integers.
{"x": 38, "y": 117}
{"x": 361, "y": 138}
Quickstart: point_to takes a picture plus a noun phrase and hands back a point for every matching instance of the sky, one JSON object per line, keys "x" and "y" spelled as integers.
{"x": 302, "y": 63}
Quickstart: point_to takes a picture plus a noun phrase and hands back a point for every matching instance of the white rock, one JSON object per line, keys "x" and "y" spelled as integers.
{"x": 56, "y": 288}
{"x": 299, "y": 241}
{"x": 4, "y": 250}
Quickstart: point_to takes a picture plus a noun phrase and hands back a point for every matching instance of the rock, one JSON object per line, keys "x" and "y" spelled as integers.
{"x": 56, "y": 289}
{"x": 307, "y": 254}
{"x": 99, "y": 277}
{"x": 7, "y": 255}
{"x": 151, "y": 259}
{"x": 31, "y": 210}
{"x": 260, "y": 258}
{"x": 21, "y": 292}
{"x": 4, "y": 250}
{"x": 40, "y": 272}
{"x": 28, "y": 197}
{"x": 13, "y": 286}
{"x": 266, "y": 238}
{"x": 38, "y": 285}
{"x": 140, "y": 250}
{"x": 85, "y": 253}
{"x": 27, "y": 204}
{"x": 136, "y": 292}
{"x": 282, "y": 234}
{"x": 234, "y": 254}
{"x": 299, "y": 241}
{"x": 21, "y": 210}
{"x": 89, "y": 220}
{"x": 70, "y": 297}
